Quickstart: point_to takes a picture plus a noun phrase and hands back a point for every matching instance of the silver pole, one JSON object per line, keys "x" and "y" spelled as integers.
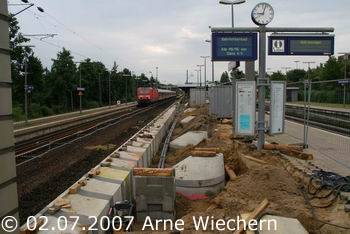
{"x": 345, "y": 76}
{"x": 200, "y": 76}
{"x": 126, "y": 89}
{"x": 261, "y": 87}
{"x": 212, "y": 72}
{"x": 80, "y": 96}
{"x": 304, "y": 138}
{"x": 308, "y": 113}
{"x": 26, "y": 89}
{"x": 205, "y": 71}
{"x": 232, "y": 15}
{"x": 99, "y": 88}
{"x": 156, "y": 73}
{"x": 109, "y": 89}
{"x": 344, "y": 95}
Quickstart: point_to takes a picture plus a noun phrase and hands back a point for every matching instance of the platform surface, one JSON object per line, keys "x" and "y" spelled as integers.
{"x": 331, "y": 151}
{"x": 340, "y": 109}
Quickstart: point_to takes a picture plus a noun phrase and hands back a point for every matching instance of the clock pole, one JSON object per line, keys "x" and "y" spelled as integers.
{"x": 261, "y": 87}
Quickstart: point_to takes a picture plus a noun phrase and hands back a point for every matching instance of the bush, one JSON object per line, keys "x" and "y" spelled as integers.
{"x": 18, "y": 114}
{"x": 46, "y": 111}
{"x": 92, "y": 104}
{"x": 35, "y": 111}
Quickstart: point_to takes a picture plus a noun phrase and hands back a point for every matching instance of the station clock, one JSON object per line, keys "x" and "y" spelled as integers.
{"x": 262, "y": 14}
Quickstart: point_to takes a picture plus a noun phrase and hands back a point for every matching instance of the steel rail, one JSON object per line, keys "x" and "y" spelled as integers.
{"x": 54, "y": 145}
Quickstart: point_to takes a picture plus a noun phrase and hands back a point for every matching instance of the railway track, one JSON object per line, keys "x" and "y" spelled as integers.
{"x": 330, "y": 120}
{"x": 31, "y": 149}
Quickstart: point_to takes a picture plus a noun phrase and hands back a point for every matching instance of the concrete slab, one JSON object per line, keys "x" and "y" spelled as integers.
{"x": 92, "y": 207}
{"x": 284, "y": 225}
{"x": 189, "y": 138}
{"x": 122, "y": 164}
{"x": 103, "y": 190}
{"x": 130, "y": 156}
{"x": 187, "y": 119}
{"x": 197, "y": 172}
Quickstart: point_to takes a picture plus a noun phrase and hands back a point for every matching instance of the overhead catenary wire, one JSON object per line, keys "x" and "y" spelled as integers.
{"x": 50, "y": 19}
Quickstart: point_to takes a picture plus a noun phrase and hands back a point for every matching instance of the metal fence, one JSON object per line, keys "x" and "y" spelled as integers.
{"x": 198, "y": 97}
{"x": 221, "y": 101}
{"x": 318, "y": 116}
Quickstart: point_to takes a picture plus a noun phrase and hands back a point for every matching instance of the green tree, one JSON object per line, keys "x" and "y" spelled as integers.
{"x": 63, "y": 81}
{"x": 224, "y": 78}
{"x": 332, "y": 70}
{"x": 18, "y": 54}
{"x": 237, "y": 74}
{"x": 296, "y": 75}
{"x": 278, "y": 76}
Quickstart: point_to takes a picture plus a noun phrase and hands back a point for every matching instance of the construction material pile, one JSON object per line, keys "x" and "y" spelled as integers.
{"x": 253, "y": 177}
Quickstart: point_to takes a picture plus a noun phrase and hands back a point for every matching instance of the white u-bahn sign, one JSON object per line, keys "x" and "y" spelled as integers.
{"x": 245, "y": 108}
{"x": 277, "y": 107}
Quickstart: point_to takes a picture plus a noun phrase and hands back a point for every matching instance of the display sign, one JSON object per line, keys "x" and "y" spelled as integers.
{"x": 343, "y": 82}
{"x": 245, "y": 97}
{"x": 234, "y": 46}
{"x": 29, "y": 88}
{"x": 301, "y": 45}
{"x": 277, "y": 107}
{"x": 80, "y": 89}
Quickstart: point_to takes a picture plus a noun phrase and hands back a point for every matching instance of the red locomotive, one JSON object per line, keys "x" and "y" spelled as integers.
{"x": 147, "y": 95}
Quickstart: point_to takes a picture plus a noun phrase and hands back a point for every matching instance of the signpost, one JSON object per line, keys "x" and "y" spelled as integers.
{"x": 234, "y": 46}
{"x": 240, "y": 44}
{"x": 297, "y": 44}
{"x": 245, "y": 108}
{"x": 80, "y": 91}
{"x": 277, "y": 107}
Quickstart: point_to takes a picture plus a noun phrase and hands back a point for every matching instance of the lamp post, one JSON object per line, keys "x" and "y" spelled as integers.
{"x": 156, "y": 73}
{"x": 212, "y": 65}
{"x": 197, "y": 76}
{"x": 346, "y": 59}
{"x": 297, "y": 64}
{"x": 205, "y": 69}
{"x": 80, "y": 94}
{"x": 200, "y": 74}
{"x": 307, "y": 83}
{"x": 26, "y": 83}
{"x": 126, "y": 86}
{"x": 99, "y": 89}
{"x": 232, "y": 3}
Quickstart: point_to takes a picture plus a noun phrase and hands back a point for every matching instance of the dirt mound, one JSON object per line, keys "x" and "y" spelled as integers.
{"x": 260, "y": 182}
{"x": 177, "y": 156}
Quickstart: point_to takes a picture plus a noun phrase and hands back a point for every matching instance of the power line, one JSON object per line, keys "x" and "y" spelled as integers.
{"x": 60, "y": 47}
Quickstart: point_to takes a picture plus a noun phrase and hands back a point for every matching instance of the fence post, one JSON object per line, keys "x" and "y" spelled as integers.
{"x": 304, "y": 137}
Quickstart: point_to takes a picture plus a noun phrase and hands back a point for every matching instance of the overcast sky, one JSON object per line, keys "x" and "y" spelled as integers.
{"x": 170, "y": 34}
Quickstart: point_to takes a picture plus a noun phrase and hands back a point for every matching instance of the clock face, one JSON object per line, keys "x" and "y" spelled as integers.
{"x": 262, "y": 14}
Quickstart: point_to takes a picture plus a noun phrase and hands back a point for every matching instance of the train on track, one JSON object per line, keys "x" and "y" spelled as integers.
{"x": 149, "y": 95}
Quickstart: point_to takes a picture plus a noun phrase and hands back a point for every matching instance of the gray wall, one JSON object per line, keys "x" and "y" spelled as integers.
{"x": 8, "y": 185}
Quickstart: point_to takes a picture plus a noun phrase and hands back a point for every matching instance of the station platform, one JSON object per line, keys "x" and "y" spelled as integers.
{"x": 321, "y": 107}
{"x": 330, "y": 150}
{"x": 69, "y": 115}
